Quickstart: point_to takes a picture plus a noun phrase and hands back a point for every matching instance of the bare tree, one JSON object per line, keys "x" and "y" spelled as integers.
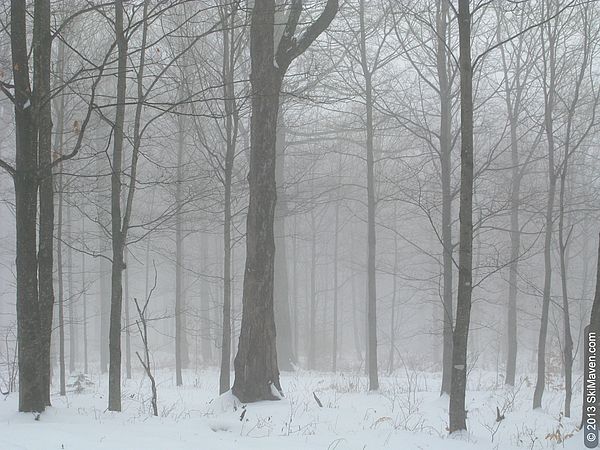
{"x": 256, "y": 371}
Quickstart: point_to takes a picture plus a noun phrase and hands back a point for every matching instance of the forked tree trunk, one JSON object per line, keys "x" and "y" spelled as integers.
{"x": 256, "y": 370}
{"x": 457, "y": 411}
{"x": 29, "y": 134}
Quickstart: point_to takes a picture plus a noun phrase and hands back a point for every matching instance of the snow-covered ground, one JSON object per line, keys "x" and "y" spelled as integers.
{"x": 407, "y": 413}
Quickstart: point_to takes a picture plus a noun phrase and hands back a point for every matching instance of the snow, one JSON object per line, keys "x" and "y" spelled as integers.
{"x": 406, "y": 413}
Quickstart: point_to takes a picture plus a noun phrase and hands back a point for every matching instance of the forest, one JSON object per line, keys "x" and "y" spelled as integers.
{"x": 324, "y": 224}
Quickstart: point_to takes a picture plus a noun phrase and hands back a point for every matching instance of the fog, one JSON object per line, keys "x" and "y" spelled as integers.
{"x": 240, "y": 198}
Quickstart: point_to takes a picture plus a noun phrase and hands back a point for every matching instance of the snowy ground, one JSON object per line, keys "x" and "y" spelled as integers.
{"x": 406, "y": 414}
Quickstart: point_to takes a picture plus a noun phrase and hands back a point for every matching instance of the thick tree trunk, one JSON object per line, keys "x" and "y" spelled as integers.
{"x": 457, "y": 411}
{"x": 256, "y": 370}
{"x": 32, "y": 128}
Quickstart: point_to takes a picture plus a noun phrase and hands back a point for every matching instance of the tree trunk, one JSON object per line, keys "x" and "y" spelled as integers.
{"x": 205, "y": 320}
{"x": 31, "y": 390}
{"x": 549, "y": 92}
{"x": 394, "y": 296}
{"x": 85, "y": 315}
{"x": 179, "y": 256}
{"x": 371, "y": 237}
{"x": 127, "y": 300}
{"x": 71, "y": 305}
{"x": 313, "y": 294}
{"x": 116, "y": 300}
{"x": 42, "y": 66}
{"x": 334, "y": 352}
{"x": 457, "y": 412}
{"x": 285, "y": 354}
{"x": 61, "y": 288}
{"x": 445, "y": 141}
{"x": 231, "y": 125}
{"x": 256, "y": 370}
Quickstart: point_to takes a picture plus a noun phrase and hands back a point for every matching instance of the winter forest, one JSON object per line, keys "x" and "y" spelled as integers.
{"x": 332, "y": 224}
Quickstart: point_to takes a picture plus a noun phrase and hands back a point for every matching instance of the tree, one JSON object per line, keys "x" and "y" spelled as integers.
{"x": 256, "y": 371}
{"x": 457, "y": 412}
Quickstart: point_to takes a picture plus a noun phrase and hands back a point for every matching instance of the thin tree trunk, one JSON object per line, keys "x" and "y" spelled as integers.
{"x": 549, "y": 92}
{"x": 371, "y": 237}
{"x": 563, "y": 242}
{"x": 231, "y": 131}
{"x": 445, "y": 141}
{"x": 127, "y": 320}
{"x": 286, "y": 357}
{"x": 42, "y": 64}
{"x": 394, "y": 296}
{"x": 457, "y": 411}
{"x": 295, "y": 285}
{"x": 334, "y": 353}
{"x": 85, "y": 315}
{"x": 179, "y": 256}
{"x": 61, "y": 290}
{"x": 313, "y": 294}
{"x": 71, "y": 305}
{"x": 116, "y": 303}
